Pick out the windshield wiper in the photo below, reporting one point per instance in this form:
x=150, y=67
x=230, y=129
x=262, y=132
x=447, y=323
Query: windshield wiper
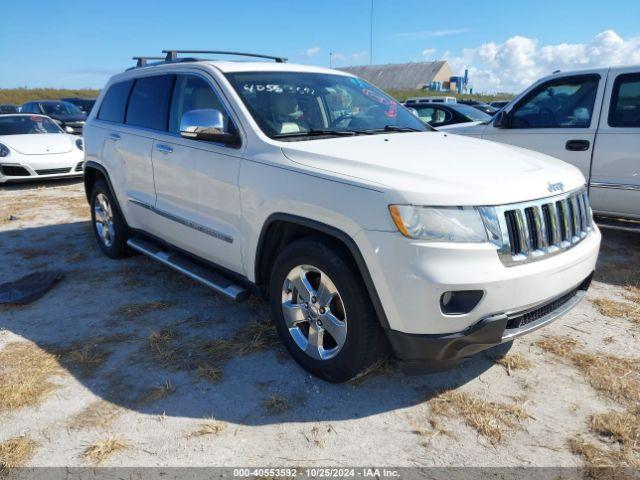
x=393, y=128
x=318, y=133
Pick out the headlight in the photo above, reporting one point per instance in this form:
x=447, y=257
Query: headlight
x=439, y=224
x=4, y=150
x=79, y=144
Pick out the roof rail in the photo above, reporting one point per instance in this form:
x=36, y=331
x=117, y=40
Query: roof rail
x=172, y=55
x=142, y=61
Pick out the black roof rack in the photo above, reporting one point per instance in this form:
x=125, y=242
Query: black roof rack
x=142, y=61
x=172, y=55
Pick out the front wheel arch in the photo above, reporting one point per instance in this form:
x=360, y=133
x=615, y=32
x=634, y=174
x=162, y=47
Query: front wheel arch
x=280, y=229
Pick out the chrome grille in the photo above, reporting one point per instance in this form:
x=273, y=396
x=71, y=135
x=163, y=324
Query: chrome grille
x=530, y=231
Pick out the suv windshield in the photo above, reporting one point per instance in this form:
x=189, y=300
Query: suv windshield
x=26, y=124
x=60, y=108
x=299, y=105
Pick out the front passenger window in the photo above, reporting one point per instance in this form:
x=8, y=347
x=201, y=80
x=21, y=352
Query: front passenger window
x=565, y=103
x=194, y=93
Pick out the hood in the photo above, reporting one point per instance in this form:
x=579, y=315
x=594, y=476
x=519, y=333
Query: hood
x=438, y=168
x=459, y=126
x=81, y=117
x=39, y=143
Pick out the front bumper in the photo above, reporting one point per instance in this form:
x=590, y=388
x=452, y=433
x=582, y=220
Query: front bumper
x=432, y=353
x=31, y=167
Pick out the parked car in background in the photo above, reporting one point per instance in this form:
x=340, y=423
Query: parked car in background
x=431, y=100
x=589, y=118
x=499, y=104
x=34, y=147
x=8, y=108
x=442, y=114
x=483, y=107
x=365, y=228
x=65, y=114
x=84, y=104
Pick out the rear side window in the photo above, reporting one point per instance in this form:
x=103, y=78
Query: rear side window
x=149, y=102
x=115, y=102
x=625, y=102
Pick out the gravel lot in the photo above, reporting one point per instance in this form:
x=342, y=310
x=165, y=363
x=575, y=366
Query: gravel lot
x=126, y=363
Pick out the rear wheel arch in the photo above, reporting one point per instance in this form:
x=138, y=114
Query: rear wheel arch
x=280, y=229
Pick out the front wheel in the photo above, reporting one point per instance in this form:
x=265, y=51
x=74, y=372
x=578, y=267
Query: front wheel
x=322, y=311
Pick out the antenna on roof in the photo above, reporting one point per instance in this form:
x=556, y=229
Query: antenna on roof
x=142, y=61
x=172, y=55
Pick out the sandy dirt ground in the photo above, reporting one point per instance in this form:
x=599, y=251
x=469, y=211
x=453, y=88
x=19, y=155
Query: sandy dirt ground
x=127, y=363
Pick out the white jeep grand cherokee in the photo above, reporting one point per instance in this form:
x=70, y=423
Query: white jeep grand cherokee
x=366, y=229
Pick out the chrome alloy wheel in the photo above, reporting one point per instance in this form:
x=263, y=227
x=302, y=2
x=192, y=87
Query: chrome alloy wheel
x=314, y=312
x=104, y=219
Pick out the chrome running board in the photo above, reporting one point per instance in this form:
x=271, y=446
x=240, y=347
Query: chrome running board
x=181, y=263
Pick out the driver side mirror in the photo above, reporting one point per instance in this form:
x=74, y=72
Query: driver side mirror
x=206, y=124
x=502, y=119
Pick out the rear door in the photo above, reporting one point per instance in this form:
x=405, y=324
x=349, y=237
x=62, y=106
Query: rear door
x=615, y=174
x=558, y=117
x=198, y=199
x=128, y=145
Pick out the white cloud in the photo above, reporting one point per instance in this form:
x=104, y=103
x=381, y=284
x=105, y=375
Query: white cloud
x=312, y=51
x=357, y=56
x=429, y=53
x=515, y=64
x=433, y=33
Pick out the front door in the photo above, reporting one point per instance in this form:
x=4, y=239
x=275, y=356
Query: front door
x=559, y=117
x=198, y=199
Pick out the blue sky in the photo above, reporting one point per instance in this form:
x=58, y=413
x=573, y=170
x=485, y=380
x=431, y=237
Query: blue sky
x=80, y=43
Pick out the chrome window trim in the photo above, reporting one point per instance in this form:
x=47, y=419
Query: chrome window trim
x=574, y=218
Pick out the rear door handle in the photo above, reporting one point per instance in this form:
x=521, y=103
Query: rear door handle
x=578, y=145
x=166, y=149
x=114, y=137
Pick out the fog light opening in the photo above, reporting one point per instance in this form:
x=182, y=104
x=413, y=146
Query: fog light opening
x=460, y=302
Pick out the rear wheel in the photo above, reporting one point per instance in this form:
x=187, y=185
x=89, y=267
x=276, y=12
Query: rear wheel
x=110, y=230
x=322, y=311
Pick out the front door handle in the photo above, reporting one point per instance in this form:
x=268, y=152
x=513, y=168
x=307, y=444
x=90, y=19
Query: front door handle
x=578, y=145
x=166, y=149
x=114, y=137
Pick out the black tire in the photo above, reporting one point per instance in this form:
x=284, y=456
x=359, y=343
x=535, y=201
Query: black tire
x=117, y=246
x=364, y=341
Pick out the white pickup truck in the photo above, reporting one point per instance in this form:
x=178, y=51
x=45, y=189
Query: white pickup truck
x=589, y=118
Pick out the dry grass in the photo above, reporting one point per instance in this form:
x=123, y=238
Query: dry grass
x=25, y=375
x=135, y=310
x=384, y=366
x=15, y=453
x=513, y=361
x=158, y=392
x=596, y=457
x=632, y=293
x=617, y=273
x=615, y=308
x=618, y=378
x=208, y=427
x=621, y=427
x=490, y=419
x=276, y=404
x=99, y=451
x=99, y=414
x=87, y=355
x=210, y=373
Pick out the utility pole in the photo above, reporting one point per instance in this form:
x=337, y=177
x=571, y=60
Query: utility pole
x=330, y=59
x=371, y=36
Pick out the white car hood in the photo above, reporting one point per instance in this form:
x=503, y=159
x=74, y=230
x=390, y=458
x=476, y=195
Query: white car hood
x=438, y=168
x=38, y=143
